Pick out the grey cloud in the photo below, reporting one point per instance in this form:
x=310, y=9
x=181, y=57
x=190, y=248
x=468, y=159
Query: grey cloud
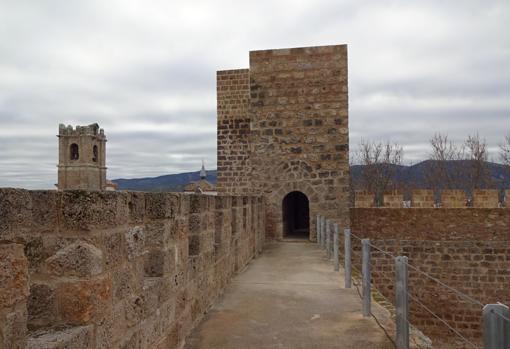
x=146, y=73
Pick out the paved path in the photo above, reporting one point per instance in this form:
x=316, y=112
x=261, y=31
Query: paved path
x=289, y=297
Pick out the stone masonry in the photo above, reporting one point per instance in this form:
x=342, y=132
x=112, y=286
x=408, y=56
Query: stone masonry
x=104, y=269
x=82, y=157
x=467, y=249
x=283, y=127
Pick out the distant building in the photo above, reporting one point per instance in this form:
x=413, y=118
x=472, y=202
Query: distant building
x=82, y=158
x=201, y=186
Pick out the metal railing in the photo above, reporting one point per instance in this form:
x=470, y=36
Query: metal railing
x=496, y=317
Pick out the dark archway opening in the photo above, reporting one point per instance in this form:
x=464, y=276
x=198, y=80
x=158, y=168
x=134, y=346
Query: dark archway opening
x=296, y=215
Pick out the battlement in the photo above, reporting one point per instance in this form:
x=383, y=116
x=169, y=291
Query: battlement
x=425, y=198
x=90, y=130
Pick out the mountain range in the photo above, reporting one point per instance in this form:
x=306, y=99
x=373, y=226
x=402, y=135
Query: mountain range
x=411, y=176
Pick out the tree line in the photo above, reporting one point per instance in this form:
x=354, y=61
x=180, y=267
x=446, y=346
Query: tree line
x=453, y=166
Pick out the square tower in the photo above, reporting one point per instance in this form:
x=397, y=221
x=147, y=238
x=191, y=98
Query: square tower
x=283, y=133
x=82, y=157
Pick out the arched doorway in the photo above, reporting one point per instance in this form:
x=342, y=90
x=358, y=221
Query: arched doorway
x=296, y=215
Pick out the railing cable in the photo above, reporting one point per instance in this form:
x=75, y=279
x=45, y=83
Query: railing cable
x=443, y=321
x=459, y=293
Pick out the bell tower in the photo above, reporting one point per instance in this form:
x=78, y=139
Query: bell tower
x=82, y=157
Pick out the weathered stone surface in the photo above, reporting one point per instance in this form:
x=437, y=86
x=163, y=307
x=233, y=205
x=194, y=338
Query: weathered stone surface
x=81, y=302
x=78, y=259
x=135, y=240
x=62, y=338
x=82, y=210
x=159, y=262
x=13, y=328
x=15, y=213
x=44, y=209
x=41, y=305
x=13, y=274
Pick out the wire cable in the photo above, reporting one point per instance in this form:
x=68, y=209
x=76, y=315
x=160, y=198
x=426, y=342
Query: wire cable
x=500, y=315
x=462, y=295
x=356, y=236
x=382, y=251
x=443, y=321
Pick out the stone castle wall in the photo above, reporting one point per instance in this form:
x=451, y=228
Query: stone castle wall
x=233, y=99
x=467, y=249
x=117, y=270
x=298, y=130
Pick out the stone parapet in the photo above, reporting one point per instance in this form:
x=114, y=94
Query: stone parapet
x=120, y=269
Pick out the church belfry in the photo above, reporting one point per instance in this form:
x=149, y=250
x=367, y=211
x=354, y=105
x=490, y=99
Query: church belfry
x=82, y=157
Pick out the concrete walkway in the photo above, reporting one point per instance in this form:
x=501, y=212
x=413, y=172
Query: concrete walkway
x=289, y=297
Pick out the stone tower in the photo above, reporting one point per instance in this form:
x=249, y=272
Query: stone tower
x=283, y=132
x=82, y=157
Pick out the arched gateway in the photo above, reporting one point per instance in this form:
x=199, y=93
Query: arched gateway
x=296, y=215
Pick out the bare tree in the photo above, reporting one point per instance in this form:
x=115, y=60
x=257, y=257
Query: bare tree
x=444, y=170
x=380, y=161
x=504, y=151
x=458, y=167
x=477, y=175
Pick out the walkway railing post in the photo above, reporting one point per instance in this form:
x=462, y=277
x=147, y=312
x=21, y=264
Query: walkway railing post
x=328, y=238
x=365, y=269
x=336, y=247
x=402, y=302
x=323, y=232
x=347, y=257
x=318, y=230
x=496, y=329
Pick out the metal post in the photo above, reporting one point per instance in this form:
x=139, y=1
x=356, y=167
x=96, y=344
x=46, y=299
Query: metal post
x=328, y=238
x=347, y=257
x=318, y=230
x=496, y=330
x=402, y=302
x=365, y=269
x=335, y=248
x=323, y=232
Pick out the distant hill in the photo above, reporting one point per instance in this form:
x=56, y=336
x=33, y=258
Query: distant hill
x=171, y=182
x=413, y=175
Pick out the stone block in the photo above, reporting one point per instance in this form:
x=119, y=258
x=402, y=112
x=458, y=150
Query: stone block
x=13, y=328
x=44, y=209
x=125, y=283
x=114, y=246
x=13, y=274
x=195, y=223
x=16, y=213
x=453, y=198
x=161, y=205
x=62, y=338
x=78, y=259
x=160, y=234
x=136, y=206
x=159, y=262
x=393, y=199
x=83, y=301
x=88, y=210
x=135, y=241
x=423, y=198
x=194, y=245
x=41, y=305
x=486, y=198
x=363, y=198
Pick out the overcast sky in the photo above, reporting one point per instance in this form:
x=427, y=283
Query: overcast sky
x=145, y=71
